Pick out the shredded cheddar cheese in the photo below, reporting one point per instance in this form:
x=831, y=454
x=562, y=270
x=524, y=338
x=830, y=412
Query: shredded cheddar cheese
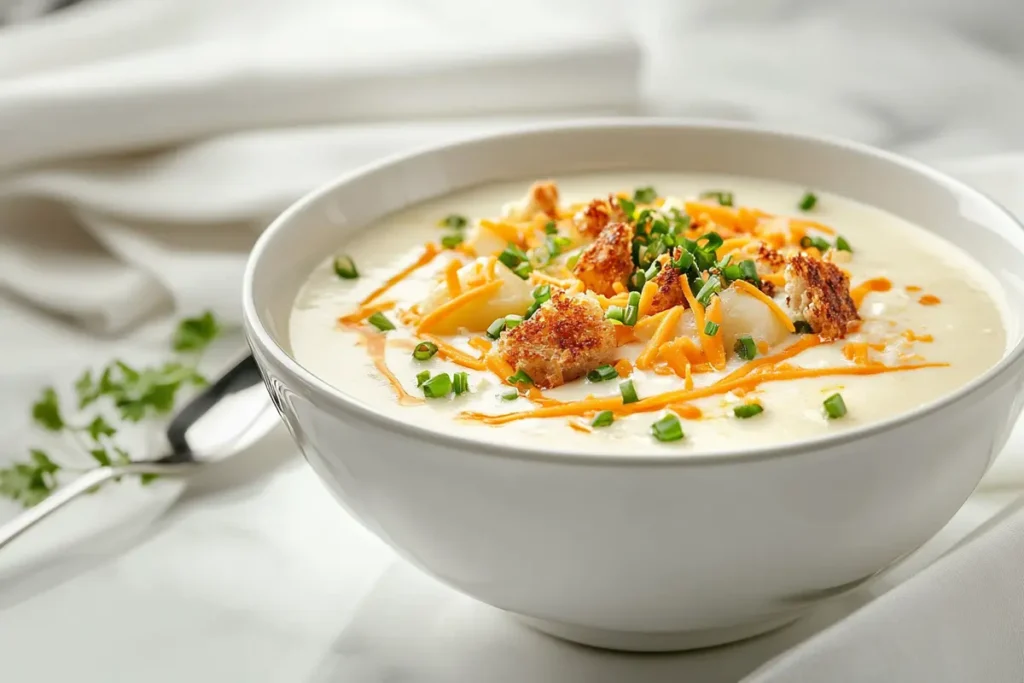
x=747, y=288
x=444, y=310
x=364, y=312
x=647, y=297
x=451, y=278
x=428, y=255
x=661, y=336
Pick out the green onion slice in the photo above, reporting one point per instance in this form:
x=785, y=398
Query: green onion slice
x=512, y=321
x=541, y=293
x=802, y=327
x=745, y=347
x=842, y=244
x=637, y=280
x=381, y=322
x=645, y=195
x=438, y=386
x=808, y=201
x=495, y=329
x=628, y=392
x=451, y=241
x=667, y=428
x=523, y=270
x=519, y=378
x=453, y=221
x=602, y=373
x=550, y=228
x=710, y=328
x=509, y=395
x=345, y=267
x=603, y=419
x=747, y=410
x=835, y=406
x=616, y=313
x=709, y=289
x=460, y=383
x=424, y=351
x=422, y=377
x=723, y=197
x=627, y=207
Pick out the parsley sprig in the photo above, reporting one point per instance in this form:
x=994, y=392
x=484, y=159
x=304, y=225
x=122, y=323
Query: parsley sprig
x=133, y=393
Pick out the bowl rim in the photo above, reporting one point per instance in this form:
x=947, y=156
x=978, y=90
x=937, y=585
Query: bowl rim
x=258, y=336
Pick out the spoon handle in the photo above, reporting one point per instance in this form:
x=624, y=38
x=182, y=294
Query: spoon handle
x=67, y=493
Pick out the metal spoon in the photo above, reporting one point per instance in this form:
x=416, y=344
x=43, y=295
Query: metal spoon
x=232, y=413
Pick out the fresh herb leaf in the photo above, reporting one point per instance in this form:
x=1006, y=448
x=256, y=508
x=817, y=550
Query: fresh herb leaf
x=195, y=334
x=46, y=411
x=29, y=482
x=100, y=455
x=99, y=427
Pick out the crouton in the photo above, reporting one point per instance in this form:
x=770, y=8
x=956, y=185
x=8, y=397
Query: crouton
x=608, y=260
x=591, y=220
x=819, y=292
x=565, y=339
x=669, y=292
x=768, y=260
x=542, y=197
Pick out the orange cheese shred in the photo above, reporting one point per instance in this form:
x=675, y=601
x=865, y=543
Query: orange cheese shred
x=878, y=284
x=722, y=215
x=912, y=336
x=448, y=352
x=499, y=366
x=647, y=298
x=451, y=278
x=805, y=342
x=448, y=307
x=623, y=367
x=480, y=344
x=364, y=312
x=661, y=335
x=428, y=255
x=747, y=288
x=619, y=288
x=542, y=278
x=714, y=347
x=929, y=300
x=815, y=225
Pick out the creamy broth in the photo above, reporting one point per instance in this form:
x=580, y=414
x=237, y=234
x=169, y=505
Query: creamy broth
x=936, y=293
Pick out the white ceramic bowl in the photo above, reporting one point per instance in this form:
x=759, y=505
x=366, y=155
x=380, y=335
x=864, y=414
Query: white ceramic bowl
x=644, y=551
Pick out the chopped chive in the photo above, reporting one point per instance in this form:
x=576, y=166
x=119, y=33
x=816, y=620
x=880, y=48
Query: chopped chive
x=381, y=322
x=424, y=351
x=541, y=293
x=710, y=328
x=438, y=386
x=616, y=313
x=603, y=419
x=573, y=260
x=495, y=329
x=451, y=241
x=651, y=272
x=723, y=197
x=634, y=299
x=512, y=256
x=835, y=406
x=712, y=241
x=627, y=207
x=808, y=201
x=745, y=347
x=602, y=373
x=802, y=327
x=630, y=316
x=422, y=377
x=523, y=270
x=513, y=321
x=345, y=267
x=509, y=395
x=684, y=262
x=637, y=280
x=550, y=228
x=453, y=221
x=628, y=392
x=644, y=195
x=667, y=428
x=842, y=244
x=519, y=378
x=531, y=310
x=733, y=272
x=747, y=410
x=556, y=244
x=817, y=242
x=460, y=383
x=709, y=289
x=749, y=269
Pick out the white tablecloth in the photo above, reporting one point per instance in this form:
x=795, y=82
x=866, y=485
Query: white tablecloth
x=252, y=573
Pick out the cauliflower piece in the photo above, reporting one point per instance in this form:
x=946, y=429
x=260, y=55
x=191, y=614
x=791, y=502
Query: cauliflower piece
x=591, y=220
x=608, y=260
x=565, y=339
x=513, y=297
x=819, y=292
x=542, y=197
x=745, y=315
x=670, y=291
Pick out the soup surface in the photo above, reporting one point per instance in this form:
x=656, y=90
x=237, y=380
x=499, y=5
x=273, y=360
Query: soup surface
x=645, y=312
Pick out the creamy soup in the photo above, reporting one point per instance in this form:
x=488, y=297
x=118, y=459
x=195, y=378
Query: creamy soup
x=553, y=321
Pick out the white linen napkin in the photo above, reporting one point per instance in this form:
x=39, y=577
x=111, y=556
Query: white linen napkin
x=242, y=101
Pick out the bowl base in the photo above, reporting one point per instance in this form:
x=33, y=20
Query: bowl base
x=635, y=641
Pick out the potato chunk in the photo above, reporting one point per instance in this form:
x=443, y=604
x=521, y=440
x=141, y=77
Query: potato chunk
x=513, y=297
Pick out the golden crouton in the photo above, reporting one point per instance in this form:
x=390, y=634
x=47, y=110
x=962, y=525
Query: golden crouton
x=608, y=260
x=565, y=339
x=542, y=197
x=819, y=292
x=670, y=290
x=591, y=220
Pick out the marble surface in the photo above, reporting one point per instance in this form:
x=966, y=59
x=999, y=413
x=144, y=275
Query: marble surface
x=252, y=573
